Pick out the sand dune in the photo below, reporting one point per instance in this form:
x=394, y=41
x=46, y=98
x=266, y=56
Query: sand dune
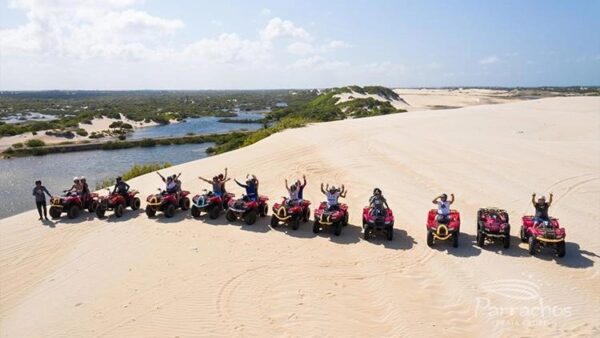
x=184, y=277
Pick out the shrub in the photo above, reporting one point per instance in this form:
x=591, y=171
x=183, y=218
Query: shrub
x=35, y=143
x=122, y=137
x=82, y=132
x=18, y=145
x=116, y=124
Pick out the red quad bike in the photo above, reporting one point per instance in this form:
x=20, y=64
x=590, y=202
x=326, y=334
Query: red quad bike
x=336, y=218
x=210, y=203
x=117, y=202
x=247, y=210
x=439, y=231
x=546, y=234
x=287, y=212
x=378, y=220
x=167, y=203
x=71, y=203
x=493, y=223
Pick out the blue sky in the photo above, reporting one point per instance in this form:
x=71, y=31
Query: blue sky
x=132, y=44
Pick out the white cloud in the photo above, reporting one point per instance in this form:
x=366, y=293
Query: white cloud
x=300, y=48
x=489, y=60
x=335, y=44
x=227, y=48
x=385, y=67
x=278, y=28
x=319, y=63
x=265, y=12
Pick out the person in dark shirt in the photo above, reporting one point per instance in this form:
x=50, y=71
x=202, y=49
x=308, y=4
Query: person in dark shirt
x=40, y=192
x=121, y=188
x=541, y=209
x=85, y=191
x=377, y=202
x=251, y=187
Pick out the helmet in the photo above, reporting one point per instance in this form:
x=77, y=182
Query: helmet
x=82, y=178
x=376, y=191
x=75, y=179
x=119, y=179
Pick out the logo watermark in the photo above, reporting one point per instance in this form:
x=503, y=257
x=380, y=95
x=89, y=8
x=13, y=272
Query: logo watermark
x=527, y=306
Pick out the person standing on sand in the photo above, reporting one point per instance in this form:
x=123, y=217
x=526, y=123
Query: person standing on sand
x=40, y=192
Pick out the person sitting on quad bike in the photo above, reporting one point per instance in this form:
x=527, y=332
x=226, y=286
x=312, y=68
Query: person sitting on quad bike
x=251, y=187
x=217, y=185
x=177, y=181
x=541, y=209
x=293, y=192
x=77, y=187
x=222, y=179
x=121, y=188
x=301, y=188
x=377, y=202
x=85, y=188
x=333, y=194
x=443, y=213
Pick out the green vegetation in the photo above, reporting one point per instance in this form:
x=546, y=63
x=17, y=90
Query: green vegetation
x=135, y=171
x=81, y=132
x=18, y=145
x=33, y=143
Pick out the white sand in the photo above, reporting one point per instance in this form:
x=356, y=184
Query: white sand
x=344, y=97
x=135, y=277
x=440, y=98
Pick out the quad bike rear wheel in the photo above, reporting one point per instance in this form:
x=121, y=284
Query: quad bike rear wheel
x=338, y=228
x=119, y=210
x=185, y=203
x=506, y=240
x=367, y=232
x=306, y=215
x=532, y=245
x=561, y=249
x=264, y=210
x=150, y=211
x=73, y=212
x=135, y=203
x=213, y=212
x=524, y=236
x=429, y=238
x=316, y=227
x=195, y=211
x=274, y=222
x=170, y=211
x=93, y=206
x=100, y=212
x=55, y=212
x=250, y=217
x=230, y=216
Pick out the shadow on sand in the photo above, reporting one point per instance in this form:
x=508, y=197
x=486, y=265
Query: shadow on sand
x=466, y=246
x=402, y=240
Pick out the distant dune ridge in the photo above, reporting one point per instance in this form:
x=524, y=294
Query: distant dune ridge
x=139, y=277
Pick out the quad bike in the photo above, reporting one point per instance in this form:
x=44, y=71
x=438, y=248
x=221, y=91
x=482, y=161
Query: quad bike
x=71, y=203
x=337, y=218
x=167, y=203
x=437, y=231
x=117, y=202
x=493, y=223
x=210, y=203
x=247, y=209
x=378, y=220
x=547, y=234
x=288, y=212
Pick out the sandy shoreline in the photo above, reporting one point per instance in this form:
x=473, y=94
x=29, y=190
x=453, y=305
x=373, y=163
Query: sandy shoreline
x=137, y=277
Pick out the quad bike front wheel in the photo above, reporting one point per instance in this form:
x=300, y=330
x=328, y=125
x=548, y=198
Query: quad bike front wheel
x=316, y=227
x=338, y=228
x=367, y=233
x=93, y=206
x=100, y=212
x=230, y=216
x=390, y=234
x=135, y=203
x=119, y=210
x=195, y=211
x=213, y=212
x=73, y=212
x=55, y=212
x=295, y=222
x=274, y=222
x=524, y=236
x=150, y=211
x=306, y=215
x=170, y=211
x=480, y=239
x=250, y=217
x=506, y=241
x=532, y=245
x=264, y=210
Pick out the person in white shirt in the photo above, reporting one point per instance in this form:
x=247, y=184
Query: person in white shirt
x=333, y=194
x=293, y=193
x=443, y=204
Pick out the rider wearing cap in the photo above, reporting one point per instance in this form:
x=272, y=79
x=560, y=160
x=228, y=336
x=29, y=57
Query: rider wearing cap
x=333, y=194
x=443, y=212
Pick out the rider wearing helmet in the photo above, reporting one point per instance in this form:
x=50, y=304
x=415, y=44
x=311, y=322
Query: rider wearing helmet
x=121, y=187
x=443, y=212
x=251, y=187
x=333, y=194
x=77, y=187
x=541, y=209
x=377, y=201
